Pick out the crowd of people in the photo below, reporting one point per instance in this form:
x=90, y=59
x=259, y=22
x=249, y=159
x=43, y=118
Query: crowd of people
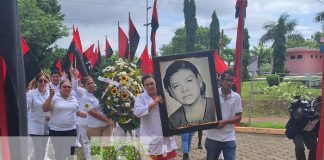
x=68, y=113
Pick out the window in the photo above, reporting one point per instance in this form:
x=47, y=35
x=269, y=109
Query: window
x=292, y=57
x=311, y=56
x=316, y=56
x=299, y=56
x=321, y=56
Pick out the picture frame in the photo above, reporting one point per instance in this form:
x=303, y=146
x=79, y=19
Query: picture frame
x=188, y=86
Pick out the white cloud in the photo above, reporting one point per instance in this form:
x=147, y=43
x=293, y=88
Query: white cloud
x=98, y=18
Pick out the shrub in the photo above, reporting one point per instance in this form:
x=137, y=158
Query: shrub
x=283, y=95
x=273, y=80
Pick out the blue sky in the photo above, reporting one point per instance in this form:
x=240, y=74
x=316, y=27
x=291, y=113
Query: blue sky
x=97, y=18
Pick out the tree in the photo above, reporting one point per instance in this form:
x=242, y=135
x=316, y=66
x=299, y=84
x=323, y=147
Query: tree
x=178, y=45
x=190, y=24
x=41, y=28
x=295, y=40
x=264, y=55
x=228, y=56
x=246, y=54
x=320, y=18
x=214, y=32
x=277, y=32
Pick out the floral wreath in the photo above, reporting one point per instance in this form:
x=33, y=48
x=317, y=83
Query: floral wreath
x=123, y=84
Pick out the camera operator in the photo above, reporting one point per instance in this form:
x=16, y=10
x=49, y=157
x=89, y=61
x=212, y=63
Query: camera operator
x=302, y=127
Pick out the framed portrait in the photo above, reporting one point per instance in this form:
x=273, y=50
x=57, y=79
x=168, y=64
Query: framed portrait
x=188, y=85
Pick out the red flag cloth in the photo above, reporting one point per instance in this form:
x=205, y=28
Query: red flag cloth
x=123, y=43
x=13, y=118
x=145, y=62
x=219, y=64
x=320, y=143
x=3, y=112
x=77, y=40
x=108, y=51
x=88, y=58
x=133, y=39
x=155, y=26
x=240, y=5
x=57, y=65
x=32, y=68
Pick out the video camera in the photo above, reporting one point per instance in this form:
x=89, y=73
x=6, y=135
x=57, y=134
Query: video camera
x=302, y=111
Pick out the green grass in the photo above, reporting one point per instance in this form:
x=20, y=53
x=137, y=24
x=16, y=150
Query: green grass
x=263, y=104
x=264, y=125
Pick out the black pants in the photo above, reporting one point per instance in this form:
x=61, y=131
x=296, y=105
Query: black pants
x=310, y=140
x=63, y=143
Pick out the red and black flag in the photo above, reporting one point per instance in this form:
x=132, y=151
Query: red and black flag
x=145, y=63
x=122, y=43
x=155, y=26
x=73, y=56
x=13, y=118
x=88, y=57
x=133, y=39
x=57, y=66
x=98, y=58
x=238, y=6
x=108, y=51
x=31, y=66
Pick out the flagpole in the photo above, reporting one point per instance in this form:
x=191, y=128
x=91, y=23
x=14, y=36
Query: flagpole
x=146, y=24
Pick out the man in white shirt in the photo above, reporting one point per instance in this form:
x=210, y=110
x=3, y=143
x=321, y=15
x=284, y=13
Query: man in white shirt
x=56, y=78
x=223, y=137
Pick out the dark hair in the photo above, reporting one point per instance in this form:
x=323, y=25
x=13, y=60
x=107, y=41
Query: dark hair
x=55, y=71
x=66, y=80
x=174, y=68
x=85, y=80
x=40, y=75
x=147, y=77
x=230, y=72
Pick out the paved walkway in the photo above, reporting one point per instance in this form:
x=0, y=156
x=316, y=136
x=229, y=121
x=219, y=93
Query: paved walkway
x=249, y=147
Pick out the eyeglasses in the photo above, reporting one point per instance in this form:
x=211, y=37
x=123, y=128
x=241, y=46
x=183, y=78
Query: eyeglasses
x=66, y=87
x=229, y=80
x=42, y=81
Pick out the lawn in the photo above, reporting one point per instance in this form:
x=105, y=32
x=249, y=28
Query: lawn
x=263, y=105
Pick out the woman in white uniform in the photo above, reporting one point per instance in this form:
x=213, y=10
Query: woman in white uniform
x=98, y=124
x=147, y=109
x=37, y=119
x=63, y=108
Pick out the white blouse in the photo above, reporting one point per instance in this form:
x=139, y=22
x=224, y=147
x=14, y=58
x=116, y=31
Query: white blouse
x=92, y=102
x=35, y=113
x=151, y=129
x=63, y=113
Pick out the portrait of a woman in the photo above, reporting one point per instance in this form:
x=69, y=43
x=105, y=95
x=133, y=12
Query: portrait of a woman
x=185, y=84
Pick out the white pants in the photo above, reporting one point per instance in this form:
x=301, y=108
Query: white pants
x=82, y=133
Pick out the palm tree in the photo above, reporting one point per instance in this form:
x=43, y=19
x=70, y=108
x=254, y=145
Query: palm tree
x=278, y=32
x=320, y=19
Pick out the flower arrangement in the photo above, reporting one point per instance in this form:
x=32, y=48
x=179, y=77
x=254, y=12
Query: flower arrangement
x=123, y=84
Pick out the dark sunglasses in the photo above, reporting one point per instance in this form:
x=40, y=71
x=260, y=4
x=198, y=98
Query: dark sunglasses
x=66, y=87
x=229, y=80
x=42, y=81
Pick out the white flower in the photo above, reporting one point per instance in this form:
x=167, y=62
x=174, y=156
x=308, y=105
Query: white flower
x=127, y=105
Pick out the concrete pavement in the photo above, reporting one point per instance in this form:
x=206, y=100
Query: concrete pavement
x=250, y=146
